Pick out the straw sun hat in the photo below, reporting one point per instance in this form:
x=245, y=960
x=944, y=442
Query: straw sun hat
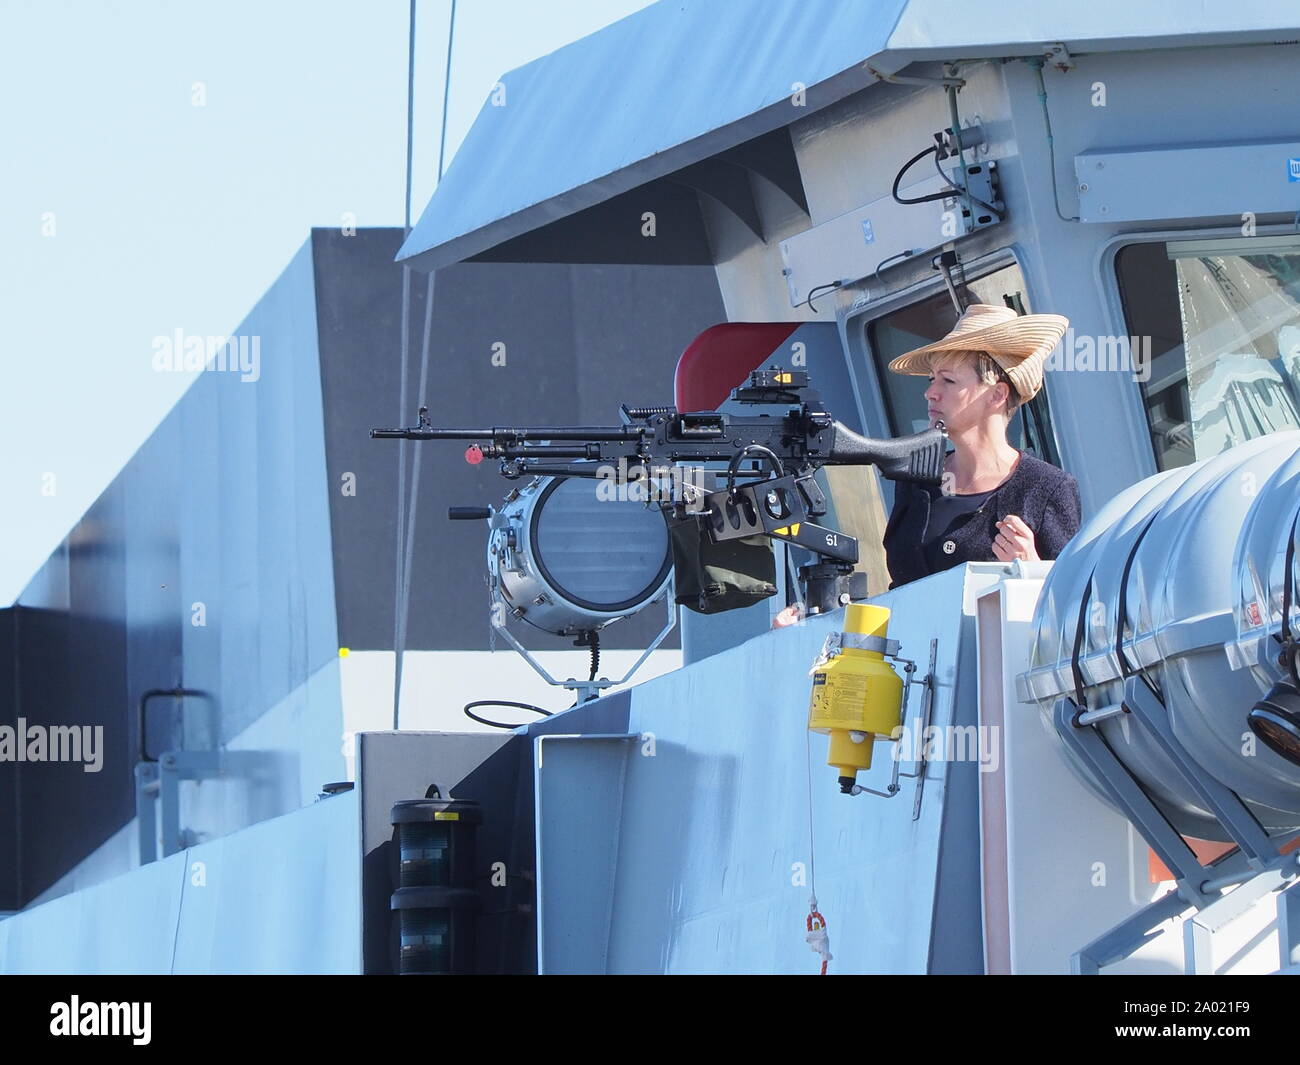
x=1019, y=343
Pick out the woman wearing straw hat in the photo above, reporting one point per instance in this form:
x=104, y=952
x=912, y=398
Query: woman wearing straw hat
x=996, y=502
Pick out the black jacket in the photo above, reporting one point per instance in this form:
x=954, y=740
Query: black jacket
x=1044, y=497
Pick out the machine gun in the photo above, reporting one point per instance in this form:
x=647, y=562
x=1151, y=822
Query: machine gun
x=779, y=505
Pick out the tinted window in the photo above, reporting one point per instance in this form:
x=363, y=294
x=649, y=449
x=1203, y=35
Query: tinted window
x=1223, y=322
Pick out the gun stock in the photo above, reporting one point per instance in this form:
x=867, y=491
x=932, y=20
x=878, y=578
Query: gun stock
x=918, y=457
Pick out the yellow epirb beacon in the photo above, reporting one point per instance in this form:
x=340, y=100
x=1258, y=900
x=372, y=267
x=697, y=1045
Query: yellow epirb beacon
x=856, y=695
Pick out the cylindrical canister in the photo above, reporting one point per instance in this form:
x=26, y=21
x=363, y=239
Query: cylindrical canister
x=436, y=902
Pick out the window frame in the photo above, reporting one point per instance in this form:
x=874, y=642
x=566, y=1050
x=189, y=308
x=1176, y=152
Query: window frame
x=1106, y=277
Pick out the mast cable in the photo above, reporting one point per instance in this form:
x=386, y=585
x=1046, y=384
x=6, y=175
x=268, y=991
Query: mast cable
x=406, y=516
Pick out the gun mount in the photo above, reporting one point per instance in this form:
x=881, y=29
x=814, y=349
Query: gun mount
x=781, y=504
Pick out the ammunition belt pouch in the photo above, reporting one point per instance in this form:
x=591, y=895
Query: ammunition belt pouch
x=714, y=577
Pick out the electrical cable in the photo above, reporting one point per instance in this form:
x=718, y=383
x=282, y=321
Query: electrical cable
x=406, y=517
x=812, y=850
x=885, y=262
x=906, y=167
x=812, y=292
x=501, y=702
x=404, y=344
x=1037, y=65
x=815, y=923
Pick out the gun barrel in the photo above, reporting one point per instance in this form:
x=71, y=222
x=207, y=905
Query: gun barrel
x=595, y=433
x=510, y=435
x=547, y=451
x=429, y=434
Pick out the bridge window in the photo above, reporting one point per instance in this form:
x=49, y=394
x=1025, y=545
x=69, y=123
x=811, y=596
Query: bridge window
x=1220, y=320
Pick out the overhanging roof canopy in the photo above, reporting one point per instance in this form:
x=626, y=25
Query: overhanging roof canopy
x=693, y=96
x=665, y=88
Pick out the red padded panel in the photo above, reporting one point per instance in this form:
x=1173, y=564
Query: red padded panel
x=721, y=358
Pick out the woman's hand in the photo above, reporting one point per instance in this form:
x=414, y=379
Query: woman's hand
x=791, y=615
x=1014, y=540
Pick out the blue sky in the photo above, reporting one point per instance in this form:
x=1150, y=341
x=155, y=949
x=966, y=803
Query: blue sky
x=127, y=212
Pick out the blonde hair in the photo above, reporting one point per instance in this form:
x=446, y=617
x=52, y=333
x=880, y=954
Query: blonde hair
x=986, y=369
